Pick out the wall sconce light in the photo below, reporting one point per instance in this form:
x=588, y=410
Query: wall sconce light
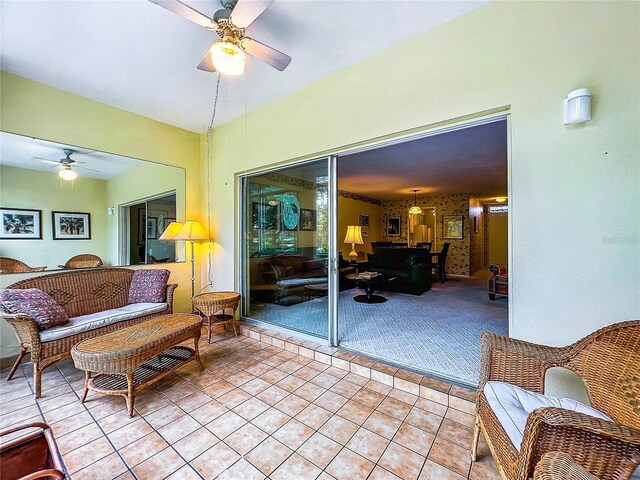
x=577, y=106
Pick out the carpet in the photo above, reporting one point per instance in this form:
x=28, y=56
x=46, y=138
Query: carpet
x=438, y=331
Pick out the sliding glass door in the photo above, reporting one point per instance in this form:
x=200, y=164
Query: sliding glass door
x=285, y=247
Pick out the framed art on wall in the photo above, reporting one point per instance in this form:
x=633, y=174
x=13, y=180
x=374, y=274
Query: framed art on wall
x=152, y=228
x=393, y=226
x=20, y=224
x=308, y=220
x=452, y=227
x=364, y=223
x=71, y=226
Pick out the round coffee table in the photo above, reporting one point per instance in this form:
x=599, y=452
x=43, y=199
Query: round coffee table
x=212, y=303
x=370, y=285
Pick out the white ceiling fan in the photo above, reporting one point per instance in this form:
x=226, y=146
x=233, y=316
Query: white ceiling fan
x=227, y=55
x=66, y=163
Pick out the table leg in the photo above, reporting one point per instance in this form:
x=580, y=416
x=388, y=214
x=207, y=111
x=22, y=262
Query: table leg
x=85, y=390
x=197, y=353
x=130, y=395
x=369, y=291
x=209, y=328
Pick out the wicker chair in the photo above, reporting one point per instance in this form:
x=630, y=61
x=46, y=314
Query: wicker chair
x=560, y=466
x=81, y=292
x=11, y=265
x=86, y=260
x=608, y=362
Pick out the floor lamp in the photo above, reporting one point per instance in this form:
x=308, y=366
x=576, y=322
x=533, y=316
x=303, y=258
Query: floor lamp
x=192, y=232
x=170, y=234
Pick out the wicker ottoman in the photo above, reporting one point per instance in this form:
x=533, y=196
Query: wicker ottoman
x=133, y=358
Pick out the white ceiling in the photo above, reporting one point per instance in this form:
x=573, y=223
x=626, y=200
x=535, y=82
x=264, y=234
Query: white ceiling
x=471, y=160
x=136, y=56
x=19, y=151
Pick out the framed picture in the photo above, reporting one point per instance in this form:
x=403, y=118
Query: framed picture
x=21, y=224
x=152, y=228
x=265, y=216
x=308, y=220
x=453, y=227
x=393, y=226
x=364, y=223
x=142, y=226
x=71, y=226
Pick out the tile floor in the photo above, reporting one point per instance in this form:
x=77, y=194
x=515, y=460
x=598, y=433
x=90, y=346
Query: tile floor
x=256, y=412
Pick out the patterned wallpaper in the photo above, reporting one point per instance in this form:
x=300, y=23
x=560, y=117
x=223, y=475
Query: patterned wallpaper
x=458, y=261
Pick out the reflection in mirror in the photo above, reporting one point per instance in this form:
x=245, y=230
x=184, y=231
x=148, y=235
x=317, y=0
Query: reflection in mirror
x=422, y=228
x=63, y=206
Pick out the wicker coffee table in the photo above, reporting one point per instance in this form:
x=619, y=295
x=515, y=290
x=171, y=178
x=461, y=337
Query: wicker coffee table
x=212, y=303
x=133, y=358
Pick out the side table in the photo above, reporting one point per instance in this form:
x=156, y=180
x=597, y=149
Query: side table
x=211, y=303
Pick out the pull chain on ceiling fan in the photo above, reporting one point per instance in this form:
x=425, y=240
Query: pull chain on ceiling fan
x=227, y=55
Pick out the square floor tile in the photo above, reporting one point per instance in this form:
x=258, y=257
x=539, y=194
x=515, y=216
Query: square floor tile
x=451, y=456
x=348, y=464
x=394, y=408
x=382, y=424
x=110, y=466
x=293, y=434
x=245, y=438
x=138, y=451
x=296, y=467
x=269, y=455
x=195, y=443
x=251, y=408
x=174, y=431
x=242, y=470
x=292, y=405
x=226, y=424
x=271, y=420
x=339, y=429
x=414, y=439
x=401, y=461
x=319, y=450
x=356, y=412
x=368, y=444
x=215, y=460
x=314, y=416
x=208, y=412
x=159, y=465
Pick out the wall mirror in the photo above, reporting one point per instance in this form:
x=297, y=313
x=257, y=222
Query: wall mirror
x=422, y=227
x=63, y=206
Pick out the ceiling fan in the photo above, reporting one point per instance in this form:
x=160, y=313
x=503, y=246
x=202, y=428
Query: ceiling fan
x=227, y=55
x=67, y=172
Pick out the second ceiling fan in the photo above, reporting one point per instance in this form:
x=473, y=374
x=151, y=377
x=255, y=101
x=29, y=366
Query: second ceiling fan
x=227, y=55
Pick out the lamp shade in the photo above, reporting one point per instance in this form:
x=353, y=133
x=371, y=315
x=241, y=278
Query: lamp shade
x=192, y=231
x=171, y=231
x=354, y=235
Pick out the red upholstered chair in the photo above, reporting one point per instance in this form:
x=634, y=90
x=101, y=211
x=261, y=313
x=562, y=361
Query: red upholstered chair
x=499, y=282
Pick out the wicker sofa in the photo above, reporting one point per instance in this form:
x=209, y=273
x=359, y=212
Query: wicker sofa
x=605, y=441
x=96, y=302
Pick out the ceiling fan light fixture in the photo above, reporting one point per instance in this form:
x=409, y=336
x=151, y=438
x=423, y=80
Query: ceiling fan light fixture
x=228, y=58
x=67, y=174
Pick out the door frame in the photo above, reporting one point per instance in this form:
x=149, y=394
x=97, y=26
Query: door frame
x=333, y=154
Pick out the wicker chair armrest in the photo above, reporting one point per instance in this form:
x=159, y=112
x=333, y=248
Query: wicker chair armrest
x=606, y=449
x=169, y=295
x=25, y=328
x=517, y=362
x=558, y=465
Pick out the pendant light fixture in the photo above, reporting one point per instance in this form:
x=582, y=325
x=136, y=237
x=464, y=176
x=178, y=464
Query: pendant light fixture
x=415, y=210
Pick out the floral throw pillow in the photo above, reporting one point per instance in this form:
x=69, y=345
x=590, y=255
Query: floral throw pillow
x=149, y=286
x=36, y=304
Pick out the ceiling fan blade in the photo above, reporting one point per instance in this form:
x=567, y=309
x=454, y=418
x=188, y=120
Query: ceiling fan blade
x=273, y=57
x=246, y=11
x=89, y=169
x=185, y=11
x=206, y=65
x=53, y=162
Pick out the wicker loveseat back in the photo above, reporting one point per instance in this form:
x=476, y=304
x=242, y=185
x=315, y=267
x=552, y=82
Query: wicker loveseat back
x=608, y=362
x=84, y=292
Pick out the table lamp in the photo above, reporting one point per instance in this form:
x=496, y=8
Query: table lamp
x=192, y=231
x=354, y=237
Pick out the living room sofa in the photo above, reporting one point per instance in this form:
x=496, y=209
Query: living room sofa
x=410, y=266
x=281, y=278
x=96, y=301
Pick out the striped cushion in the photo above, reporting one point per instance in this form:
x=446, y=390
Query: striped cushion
x=512, y=405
